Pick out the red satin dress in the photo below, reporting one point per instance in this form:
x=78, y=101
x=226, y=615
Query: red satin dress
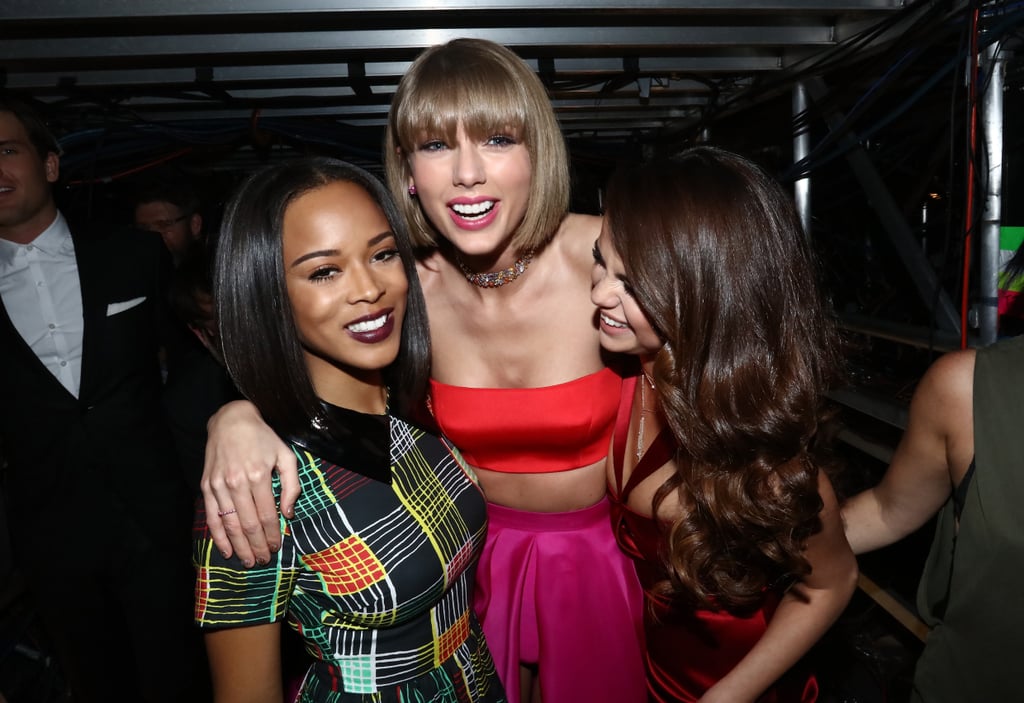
x=688, y=649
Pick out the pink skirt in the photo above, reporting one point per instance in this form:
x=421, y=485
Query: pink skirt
x=554, y=592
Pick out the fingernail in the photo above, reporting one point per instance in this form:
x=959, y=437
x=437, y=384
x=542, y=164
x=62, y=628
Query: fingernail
x=248, y=563
x=275, y=547
x=226, y=555
x=262, y=562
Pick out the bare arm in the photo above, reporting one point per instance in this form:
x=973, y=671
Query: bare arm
x=241, y=456
x=931, y=458
x=245, y=663
x=804, y=614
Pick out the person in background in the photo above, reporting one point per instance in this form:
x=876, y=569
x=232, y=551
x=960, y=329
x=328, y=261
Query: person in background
x=960, y=457
x=324, y=329
x=200, y=384
x=167, y=205
x=85, y=438
x=171, y=208
x=191, y=300
x=702, y=273
x=475, y=158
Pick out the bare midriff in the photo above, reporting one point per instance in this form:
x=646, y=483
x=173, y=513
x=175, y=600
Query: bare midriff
x=557, y=492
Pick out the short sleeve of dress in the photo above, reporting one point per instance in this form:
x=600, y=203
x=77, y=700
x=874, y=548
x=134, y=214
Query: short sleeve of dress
x=460, y=460
x=229, y=595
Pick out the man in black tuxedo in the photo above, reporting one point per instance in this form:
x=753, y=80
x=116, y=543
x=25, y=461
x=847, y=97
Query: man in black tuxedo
x=98, y=514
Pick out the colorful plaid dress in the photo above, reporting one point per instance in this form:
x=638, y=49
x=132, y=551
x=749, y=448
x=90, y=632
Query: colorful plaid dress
x=375, y=570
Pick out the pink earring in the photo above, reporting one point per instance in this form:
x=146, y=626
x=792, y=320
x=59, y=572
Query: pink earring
x=412, y=190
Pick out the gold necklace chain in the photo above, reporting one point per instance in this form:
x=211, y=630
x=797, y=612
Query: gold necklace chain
x=645, y=380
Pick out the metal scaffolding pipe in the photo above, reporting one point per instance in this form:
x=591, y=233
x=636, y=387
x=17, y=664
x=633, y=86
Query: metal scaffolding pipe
x=993, y=63
x=801, y=149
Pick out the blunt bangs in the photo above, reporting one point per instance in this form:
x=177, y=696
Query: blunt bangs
x=476, y=96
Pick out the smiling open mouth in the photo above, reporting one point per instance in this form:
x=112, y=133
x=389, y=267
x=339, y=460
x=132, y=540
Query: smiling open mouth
x=474, y=210
x=613, y=323
x=368, y=325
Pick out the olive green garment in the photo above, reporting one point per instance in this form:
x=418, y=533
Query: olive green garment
x=972, y=588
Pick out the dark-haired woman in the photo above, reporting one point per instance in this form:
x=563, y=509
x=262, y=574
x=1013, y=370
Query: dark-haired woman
x=701, y=271
x=320, y=317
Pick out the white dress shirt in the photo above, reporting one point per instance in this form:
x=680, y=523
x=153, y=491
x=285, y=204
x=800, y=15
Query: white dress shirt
x=40, y=289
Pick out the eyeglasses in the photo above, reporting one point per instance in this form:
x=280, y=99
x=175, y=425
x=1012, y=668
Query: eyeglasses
x=164, y=225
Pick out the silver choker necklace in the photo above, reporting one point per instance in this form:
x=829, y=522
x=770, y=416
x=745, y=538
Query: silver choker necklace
x=496, y=279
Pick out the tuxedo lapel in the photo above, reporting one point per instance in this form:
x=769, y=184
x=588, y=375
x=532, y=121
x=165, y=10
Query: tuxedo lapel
x=91, y=269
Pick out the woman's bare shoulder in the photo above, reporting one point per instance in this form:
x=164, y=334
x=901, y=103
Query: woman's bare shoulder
x=577, y=226
x=576, y=238
x=948, y=382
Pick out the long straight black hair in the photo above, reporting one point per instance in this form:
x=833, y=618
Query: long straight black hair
x=261, y=344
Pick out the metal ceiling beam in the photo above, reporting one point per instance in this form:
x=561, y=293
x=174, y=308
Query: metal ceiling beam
x=34, y=10
x=590, y=125
x=216, y=48
x=386, y=71
x=204, y=59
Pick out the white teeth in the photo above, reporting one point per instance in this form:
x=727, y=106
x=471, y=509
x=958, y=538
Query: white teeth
x=474, y=210
x=368, y=325
x=612, y=323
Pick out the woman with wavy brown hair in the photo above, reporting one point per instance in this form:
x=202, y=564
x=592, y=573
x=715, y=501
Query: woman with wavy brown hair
x=701, y=271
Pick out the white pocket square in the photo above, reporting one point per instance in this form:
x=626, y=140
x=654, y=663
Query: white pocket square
x=114, y=308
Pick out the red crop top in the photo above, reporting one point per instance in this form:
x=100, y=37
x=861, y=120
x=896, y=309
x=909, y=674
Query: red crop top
x=530, y=430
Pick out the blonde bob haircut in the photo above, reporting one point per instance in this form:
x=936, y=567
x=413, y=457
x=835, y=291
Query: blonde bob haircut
x=490, y=91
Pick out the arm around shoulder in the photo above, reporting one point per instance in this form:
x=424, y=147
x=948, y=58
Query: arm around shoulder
x=242, y=453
